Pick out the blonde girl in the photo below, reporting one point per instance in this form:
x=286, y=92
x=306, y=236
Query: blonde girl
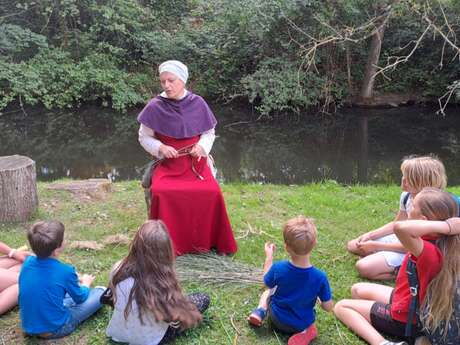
x=380, y=250
x=377, y=309
x=149, y=306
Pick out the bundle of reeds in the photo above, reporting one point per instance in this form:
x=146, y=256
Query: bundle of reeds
x=213, y=269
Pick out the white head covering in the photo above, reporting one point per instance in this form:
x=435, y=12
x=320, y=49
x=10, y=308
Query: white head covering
x=175, y=67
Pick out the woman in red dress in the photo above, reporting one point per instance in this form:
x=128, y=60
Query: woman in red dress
x=177, y=127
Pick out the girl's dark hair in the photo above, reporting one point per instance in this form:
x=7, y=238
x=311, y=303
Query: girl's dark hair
x=156, y=290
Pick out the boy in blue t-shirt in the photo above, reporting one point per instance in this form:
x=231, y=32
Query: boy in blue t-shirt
x=53, y=298
x=295, y=285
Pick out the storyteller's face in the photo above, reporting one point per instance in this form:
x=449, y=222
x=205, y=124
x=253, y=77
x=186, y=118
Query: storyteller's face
x=172, y=85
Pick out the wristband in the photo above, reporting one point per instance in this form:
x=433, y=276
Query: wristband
x=11, y=253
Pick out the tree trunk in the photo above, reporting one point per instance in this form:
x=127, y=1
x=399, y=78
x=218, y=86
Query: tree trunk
x=372, y=62
x=18, y=188
x=348, y=56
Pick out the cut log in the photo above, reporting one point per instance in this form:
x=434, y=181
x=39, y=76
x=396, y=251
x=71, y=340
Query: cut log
x=18, y=188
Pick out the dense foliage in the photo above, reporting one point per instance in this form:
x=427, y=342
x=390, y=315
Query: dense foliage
x=64, y=52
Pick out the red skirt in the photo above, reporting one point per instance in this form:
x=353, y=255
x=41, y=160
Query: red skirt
x=188, y=199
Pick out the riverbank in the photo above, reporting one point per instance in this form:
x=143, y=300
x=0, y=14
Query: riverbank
x=257, y=213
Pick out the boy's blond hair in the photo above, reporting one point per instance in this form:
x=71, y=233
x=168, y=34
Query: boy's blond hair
x=424, y=171
x=300, y=235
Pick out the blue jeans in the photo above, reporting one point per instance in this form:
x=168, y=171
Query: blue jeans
x=78, y=312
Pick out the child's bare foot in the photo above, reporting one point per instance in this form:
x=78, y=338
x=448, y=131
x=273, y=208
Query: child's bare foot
x=257, y=317
x=305, y=337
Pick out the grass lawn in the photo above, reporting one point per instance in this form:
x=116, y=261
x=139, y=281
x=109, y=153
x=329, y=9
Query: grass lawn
x=257, y=213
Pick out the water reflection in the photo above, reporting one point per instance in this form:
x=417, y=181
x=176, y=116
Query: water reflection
x=363, y=161
x=359, y=145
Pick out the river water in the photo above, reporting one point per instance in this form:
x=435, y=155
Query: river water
x=355, y=145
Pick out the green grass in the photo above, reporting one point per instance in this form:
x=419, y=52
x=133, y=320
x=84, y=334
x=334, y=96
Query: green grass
x=340, y=213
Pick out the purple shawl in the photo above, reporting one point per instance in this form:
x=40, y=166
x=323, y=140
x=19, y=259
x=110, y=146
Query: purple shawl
x=184, y=118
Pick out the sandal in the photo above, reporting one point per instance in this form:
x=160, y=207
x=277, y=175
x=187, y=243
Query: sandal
x=257, y=317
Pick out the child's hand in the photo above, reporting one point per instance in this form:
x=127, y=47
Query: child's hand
x=364, y=237
x=86, y=279
x=368, y=246
x=269, y=249
x=21, y=255
x=454, y=226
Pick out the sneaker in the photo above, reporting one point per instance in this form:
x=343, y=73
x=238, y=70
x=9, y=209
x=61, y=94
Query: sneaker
x=257, y=317
x=305, y=337
x=107, y=297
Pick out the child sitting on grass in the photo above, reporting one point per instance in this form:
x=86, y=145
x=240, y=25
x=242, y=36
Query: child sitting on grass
x=51, y=300
x=380, y=250
x=294, y=285
x=10, y=264
x=377, y=309
x=149, y=306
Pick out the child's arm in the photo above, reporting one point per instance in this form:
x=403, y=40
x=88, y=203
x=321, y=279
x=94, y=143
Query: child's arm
x=269, y=250
x=374, y=246
x=384, y=230
x=79, y=293
x=328, y=305
x=5, y=249
x=16, y=254
x=410, y=232
x=325, y=295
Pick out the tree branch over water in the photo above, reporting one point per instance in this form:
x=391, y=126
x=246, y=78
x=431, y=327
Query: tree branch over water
x=430, y=12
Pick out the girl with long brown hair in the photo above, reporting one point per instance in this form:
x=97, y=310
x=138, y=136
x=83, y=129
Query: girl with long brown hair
x=430, y=236
x=149, y=306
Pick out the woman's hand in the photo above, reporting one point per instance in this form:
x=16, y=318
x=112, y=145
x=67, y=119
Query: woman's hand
x=197, y=151
x=168, y=151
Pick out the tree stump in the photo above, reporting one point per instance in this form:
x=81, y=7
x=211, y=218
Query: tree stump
x=18, y=188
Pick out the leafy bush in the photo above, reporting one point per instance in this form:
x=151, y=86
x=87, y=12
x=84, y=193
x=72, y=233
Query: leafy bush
x=53, y=78
x=282, y=86
x=64, y=53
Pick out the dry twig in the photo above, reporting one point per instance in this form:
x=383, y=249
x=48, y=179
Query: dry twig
x=216, y=270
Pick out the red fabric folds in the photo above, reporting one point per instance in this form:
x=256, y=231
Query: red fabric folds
x=192, y=208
